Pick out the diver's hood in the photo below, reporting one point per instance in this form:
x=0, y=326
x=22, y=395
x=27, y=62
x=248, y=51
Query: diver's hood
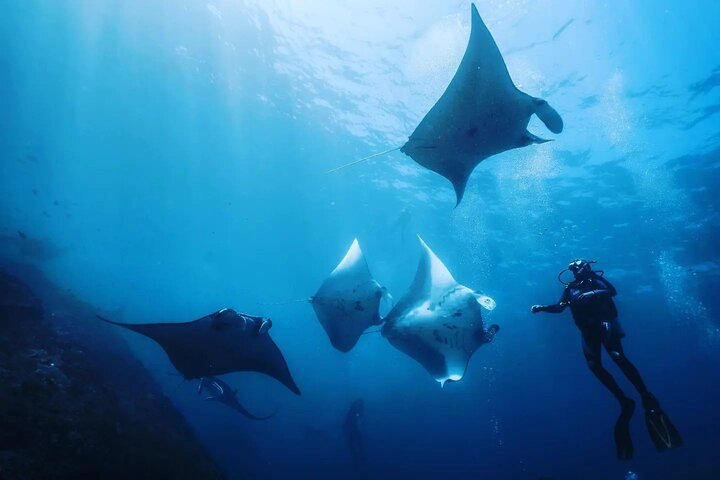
x=579, y=267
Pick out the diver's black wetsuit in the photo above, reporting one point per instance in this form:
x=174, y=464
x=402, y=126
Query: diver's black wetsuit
x=351, y=429
x=589, y=297
x=593, y=309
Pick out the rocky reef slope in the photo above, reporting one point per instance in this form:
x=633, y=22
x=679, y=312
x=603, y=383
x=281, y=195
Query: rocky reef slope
x=74, y=401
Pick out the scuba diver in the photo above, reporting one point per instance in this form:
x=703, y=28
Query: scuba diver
x=351, y=430
x=589, y=296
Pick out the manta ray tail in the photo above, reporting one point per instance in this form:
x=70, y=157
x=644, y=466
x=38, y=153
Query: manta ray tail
x=130, y=326
x=108, y=320
x=372, y=331
x=548, y=115
x=363, y=159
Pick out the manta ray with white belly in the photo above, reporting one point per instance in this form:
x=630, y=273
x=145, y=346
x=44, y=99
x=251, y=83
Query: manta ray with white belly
x=439, y=322
x=348, y=301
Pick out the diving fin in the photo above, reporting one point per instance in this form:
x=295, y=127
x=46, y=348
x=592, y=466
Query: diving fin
x=623, y=440
x=663, y=433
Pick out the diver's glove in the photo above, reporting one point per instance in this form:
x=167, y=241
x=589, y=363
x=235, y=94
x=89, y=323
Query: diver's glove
x=536, y=308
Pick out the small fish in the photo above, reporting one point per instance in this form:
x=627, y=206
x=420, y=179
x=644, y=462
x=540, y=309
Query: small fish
x=22, y=234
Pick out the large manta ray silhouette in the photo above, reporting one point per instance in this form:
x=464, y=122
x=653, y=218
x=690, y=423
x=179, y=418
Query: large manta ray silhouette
x=348, y=301
x=481, y=113
x=439, y=322
x=222, y=342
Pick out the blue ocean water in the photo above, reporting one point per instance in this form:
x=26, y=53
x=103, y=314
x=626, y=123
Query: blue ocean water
x=167, y=159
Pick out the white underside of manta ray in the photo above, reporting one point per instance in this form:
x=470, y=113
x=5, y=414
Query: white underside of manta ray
x=439, y=322
x=481, y=113
x=348, y=301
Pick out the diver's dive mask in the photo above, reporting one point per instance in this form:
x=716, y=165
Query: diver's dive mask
x=580, y=269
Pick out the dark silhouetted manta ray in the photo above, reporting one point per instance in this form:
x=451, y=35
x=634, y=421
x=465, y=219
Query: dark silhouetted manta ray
x=481, y=113
x=222, y=342
x=225, y=394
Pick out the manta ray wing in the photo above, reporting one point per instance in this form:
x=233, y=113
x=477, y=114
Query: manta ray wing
x=348, y=301
x=438, y=322
x=222, y=342
x=432, y=278
x=480, y=114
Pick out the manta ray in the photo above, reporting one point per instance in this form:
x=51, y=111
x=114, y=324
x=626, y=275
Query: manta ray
x=439, y=322
x=222, y=342
x=225, y=394
x=348, y=301
x=482, y=113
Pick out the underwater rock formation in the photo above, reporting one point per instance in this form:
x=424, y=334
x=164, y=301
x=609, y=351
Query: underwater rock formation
x=17, y=300
x=75, y=402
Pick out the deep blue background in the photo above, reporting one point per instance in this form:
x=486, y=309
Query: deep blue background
x=166, y=159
